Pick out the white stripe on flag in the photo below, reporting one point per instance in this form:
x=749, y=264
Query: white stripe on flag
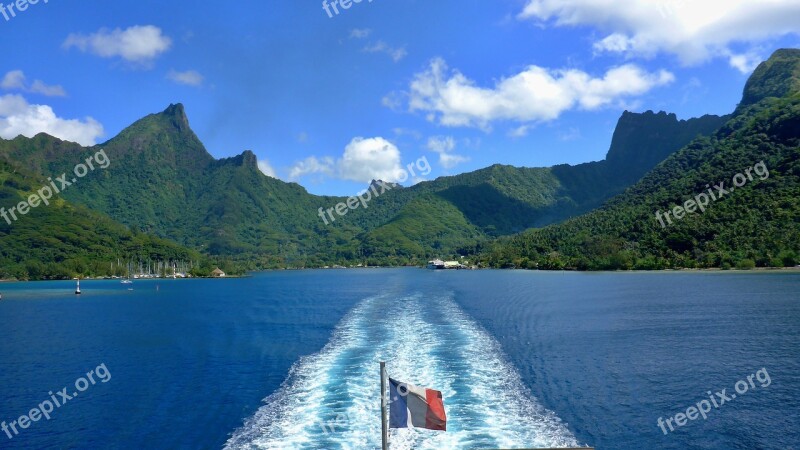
x=417, y=406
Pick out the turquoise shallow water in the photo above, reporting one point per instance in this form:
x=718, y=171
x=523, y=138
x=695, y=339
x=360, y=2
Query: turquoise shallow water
x=290, y=359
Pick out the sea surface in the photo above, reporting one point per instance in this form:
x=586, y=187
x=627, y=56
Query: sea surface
x=290, y=360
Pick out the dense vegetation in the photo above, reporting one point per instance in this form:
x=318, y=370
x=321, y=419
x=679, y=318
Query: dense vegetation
x=63, y=240
x=163, y=182
x=755, y=225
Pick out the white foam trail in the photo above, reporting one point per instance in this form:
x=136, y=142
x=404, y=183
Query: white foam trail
x=332, y=399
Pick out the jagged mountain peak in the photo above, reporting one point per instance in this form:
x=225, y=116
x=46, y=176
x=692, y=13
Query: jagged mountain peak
x=779, y=76
x=644, y=139
x=163, y=138
x=172, y=120
x=245, y=159
x=177, y=113
x=379, y=183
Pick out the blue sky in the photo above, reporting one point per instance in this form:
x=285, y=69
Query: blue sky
x=331, y=102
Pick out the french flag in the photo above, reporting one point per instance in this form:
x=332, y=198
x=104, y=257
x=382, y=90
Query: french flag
x=415, y=407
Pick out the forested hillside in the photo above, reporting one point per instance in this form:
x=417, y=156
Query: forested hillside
x=161, y=181
x=755, y=224
x=63, y=240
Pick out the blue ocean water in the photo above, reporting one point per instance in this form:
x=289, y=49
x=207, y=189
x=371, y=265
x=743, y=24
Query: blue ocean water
x=290, y=359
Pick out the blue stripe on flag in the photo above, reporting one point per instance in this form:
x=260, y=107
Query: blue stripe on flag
x=398, y=406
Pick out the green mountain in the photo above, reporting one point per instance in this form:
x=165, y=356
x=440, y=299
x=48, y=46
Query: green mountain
x=454, y=214
x=62, y=240
x=777, y=77
x=162, y=181
x=753, y=219
x=504, y=199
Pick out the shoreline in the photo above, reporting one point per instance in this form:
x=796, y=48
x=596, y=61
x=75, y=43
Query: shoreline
x=714, y=270
x=3, y=281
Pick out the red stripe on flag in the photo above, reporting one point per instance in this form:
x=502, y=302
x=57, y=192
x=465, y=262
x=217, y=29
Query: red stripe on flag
x=435, y=418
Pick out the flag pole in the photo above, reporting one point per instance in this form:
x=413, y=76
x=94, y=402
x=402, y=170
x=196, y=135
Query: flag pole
x=384, y=428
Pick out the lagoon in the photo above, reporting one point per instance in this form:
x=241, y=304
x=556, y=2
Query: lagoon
x=523, y=358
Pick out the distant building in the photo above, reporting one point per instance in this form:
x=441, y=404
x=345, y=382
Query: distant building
x=436, y=264
x=216, y=273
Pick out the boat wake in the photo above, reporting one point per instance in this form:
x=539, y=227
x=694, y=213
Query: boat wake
x=331, y=400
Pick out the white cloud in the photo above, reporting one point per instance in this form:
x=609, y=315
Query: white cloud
x=745, y=62
x=137, y=44
x=693, y=30
x=266, y=168
x=189, y=77
x=393, y=101
x=16, y=80
x=614, y=43
x=370, y=159
x=400, y=131
x=360, y=33
x=519, y=132
x=311, y=165
x=363, y=160
x=38, y=87
x=441, y=144
x=382, y=47
x=450, y=160
x=444, y=146
x=536, y=94
x=13, y=80
x=18, y=117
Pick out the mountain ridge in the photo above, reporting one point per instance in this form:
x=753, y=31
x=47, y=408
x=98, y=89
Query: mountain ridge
x=167, y=184
x=755, y=225
x=777, y=77
x=172, y=187
x=62, y=240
